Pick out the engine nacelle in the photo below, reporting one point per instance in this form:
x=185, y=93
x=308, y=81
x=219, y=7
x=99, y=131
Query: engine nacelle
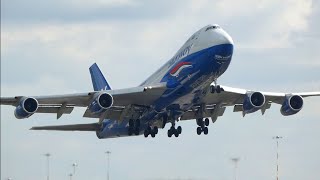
x=253, y=102
x=101, y=102
x=291, y=105
x=27, y=107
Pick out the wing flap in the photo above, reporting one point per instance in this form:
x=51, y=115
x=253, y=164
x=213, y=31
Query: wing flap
x=212, y=110
x=110, y=114
x=73, y=127
x=55, y=109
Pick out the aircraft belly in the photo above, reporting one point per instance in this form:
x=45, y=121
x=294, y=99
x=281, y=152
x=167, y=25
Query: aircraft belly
x=115, y=129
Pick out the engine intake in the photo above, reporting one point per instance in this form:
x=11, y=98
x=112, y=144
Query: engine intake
x=292, y=105
x=101, y=102
x=27, y=107
x=253, y=102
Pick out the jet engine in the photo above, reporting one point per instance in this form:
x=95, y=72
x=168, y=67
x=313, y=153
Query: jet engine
x=27, y=107
x=253, y=102
x=291, y=105
x=101, y=102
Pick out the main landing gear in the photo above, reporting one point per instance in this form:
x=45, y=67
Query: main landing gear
x=134, y=127
x=216, y=88
x=174, y=131
x=202, y=126
x=151, y=131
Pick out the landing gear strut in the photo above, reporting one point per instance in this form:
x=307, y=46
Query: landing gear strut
x=134, y=127
x=202, y=126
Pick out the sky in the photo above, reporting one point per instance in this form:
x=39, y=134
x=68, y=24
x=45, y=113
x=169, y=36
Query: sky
x=48, y=46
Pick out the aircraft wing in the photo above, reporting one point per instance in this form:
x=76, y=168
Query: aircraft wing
x=64, y=104
x=216, y=103
x=233, y=96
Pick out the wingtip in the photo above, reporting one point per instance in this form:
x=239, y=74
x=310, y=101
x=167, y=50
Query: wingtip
x=34, y=128
x=93, y=65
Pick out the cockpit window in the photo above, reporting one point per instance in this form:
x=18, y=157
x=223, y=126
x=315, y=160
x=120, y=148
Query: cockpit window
x=212, y=27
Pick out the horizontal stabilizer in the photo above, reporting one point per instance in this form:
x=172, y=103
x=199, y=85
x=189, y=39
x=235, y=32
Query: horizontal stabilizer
x=72, y=127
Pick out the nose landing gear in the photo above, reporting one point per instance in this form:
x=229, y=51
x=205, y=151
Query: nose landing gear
x=216, y=88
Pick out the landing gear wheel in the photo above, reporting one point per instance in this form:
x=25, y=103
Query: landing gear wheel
x=146, y=134
x=206, y=121
x=131, y=123
x=205, y=130
x=199, y=130
x=136, y=131
x=169, y=133
x=138, y=123
x=212, y=89
x=176, y=133
x=153, y=135
x=155, y=130
x=218, y=89
x=130, y=131
x=179, y=129
x=200, y=122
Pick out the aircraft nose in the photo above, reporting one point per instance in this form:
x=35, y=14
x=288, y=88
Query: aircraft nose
x=223, y=37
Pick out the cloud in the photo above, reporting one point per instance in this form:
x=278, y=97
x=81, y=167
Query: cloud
x=84, y=42
x=60, y=11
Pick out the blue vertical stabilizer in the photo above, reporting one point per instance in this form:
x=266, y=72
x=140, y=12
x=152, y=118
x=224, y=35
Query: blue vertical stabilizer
x=98, y=81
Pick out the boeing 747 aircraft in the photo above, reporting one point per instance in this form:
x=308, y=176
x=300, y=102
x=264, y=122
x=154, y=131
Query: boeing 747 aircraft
x=184, y=88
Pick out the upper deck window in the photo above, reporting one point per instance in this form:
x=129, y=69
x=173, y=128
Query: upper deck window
x=212, y=27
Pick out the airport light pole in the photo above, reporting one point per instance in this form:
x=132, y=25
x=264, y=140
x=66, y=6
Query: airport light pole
x=108, y=163
x=48, y=165
x=74, y=165
x=277, y=139
x=70, y=175
x=235, y=161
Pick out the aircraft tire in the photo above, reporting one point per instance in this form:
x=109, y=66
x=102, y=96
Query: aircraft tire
x=218, y=89
x=138, y=123
x=199, y=130
x=212, y=89
x=205, y=130
x=130, y=131
x=179, y=129
x=200, y=121
x=131, y=123
x=169, y=133
x=176, y=134
x=136, y=131
x=146, y=134
x=206, y=121
x=155, y=130
x=153, y=135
